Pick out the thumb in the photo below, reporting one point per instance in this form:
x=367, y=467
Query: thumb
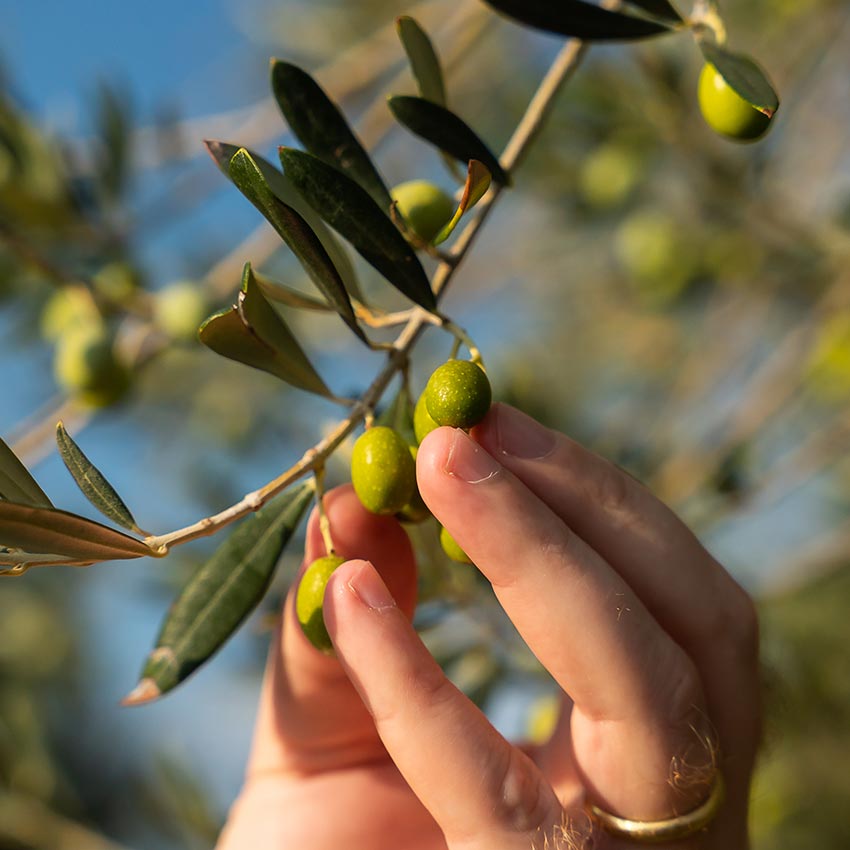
x=311, y=719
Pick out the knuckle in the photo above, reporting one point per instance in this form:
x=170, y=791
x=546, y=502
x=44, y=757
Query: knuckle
x=611, y=490
x=684, y=692
x=521, y=803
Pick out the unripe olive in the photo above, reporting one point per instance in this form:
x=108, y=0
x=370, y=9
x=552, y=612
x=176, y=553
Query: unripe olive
x=725, y=111
x=415, y=510
x=71, y=306
x=116, y=281
x=423, y=424
x=86, y=366
x=609, y=175
x=425, y=208
x=179, y=309
x=458, y=394
x=451, y=548
x=382, y=471
x=309, y=601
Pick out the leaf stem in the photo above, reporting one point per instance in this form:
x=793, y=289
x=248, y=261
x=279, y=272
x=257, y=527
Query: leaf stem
x=523, y=137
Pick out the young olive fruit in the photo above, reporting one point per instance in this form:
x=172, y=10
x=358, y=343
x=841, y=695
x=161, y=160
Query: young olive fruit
x=309, y=601
x=458, y=394
x=383, y=471
x=69, y=307
x=425, y=208
x=725, y=111
x=415, y=510
x=423, y=423
x=86, y=366
x=179, y=309
x=451, y=548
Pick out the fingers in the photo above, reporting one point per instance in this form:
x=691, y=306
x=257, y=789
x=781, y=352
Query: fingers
x=635, y=690
x=311, y=718
x=483, y=792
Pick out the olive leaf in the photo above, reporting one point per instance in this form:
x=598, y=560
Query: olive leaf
x=659, y=8
x=92, y=482
x=221, y=594
x=476, y=186
x=222, y=153
x=578, y=19
x=16, y=484
x=445, y=130
x=744, y=76
x=283, y=294
x=297, y=234
x=423, y=59
x=54, y=532
x=398, y=415
x=350, y=210
x=320, y=126
x=251, y=332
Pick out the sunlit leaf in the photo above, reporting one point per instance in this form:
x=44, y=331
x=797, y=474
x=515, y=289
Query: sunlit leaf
x=424, y=61
x=221, y=594
x=222, y=153
x=91, y=481
x=16, y=484
x=251, y=332
x=398, y=415
x=659, y=8
x=744, y=76
x=283, y=294
x=447, y=131
x=578, y=19
x=297, y=234
x=476, y=186
x=347, y=208
x=321, y=127
x=51, y=531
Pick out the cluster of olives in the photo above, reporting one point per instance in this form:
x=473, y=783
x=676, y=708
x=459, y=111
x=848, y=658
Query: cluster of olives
x=383, y=472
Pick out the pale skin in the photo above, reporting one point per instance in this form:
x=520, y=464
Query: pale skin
x=653, y=644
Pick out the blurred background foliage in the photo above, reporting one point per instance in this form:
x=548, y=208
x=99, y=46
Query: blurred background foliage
x=680, y=304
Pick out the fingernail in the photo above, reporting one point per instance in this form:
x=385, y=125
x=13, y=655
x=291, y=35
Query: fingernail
x=521, y=436
x=368, y=587
x=468, y=461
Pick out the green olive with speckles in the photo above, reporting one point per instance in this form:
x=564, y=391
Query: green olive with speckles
x=451, y=548
x=383, y=471
x=458, y=394
x=309, y=601
x=423, y=424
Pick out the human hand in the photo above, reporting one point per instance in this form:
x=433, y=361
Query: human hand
x=652, y=640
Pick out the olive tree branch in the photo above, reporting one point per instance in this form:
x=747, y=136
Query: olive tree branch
x=524, y=135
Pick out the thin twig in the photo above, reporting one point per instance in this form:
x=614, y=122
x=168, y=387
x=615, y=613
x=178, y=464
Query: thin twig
x=523, y=137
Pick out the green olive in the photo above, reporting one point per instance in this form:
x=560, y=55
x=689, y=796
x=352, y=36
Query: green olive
x=86, y=366
x=425, y=208
x=383, y=471
x=309, y=601
x=725, y=111
x=451, y=548
x=458, y=394
x=179, y=309
x=69, y=307
x=423, y=424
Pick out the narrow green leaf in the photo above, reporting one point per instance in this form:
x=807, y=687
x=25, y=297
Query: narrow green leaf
x=16, y=484
x=443, y=128
x=578, y=19
x=91, y=481
x=659, y=8
x=222, y=153
x=744, y=76
x=297, y=234
x=251, y=332
x=476, y=186
x=283, y=294
x=351, y=211
x=398, y=415
x=321, y=127
x=424, y=61
x=221, y=594
x=55, y=532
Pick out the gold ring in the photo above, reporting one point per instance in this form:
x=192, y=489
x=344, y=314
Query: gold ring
x=659, y=831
